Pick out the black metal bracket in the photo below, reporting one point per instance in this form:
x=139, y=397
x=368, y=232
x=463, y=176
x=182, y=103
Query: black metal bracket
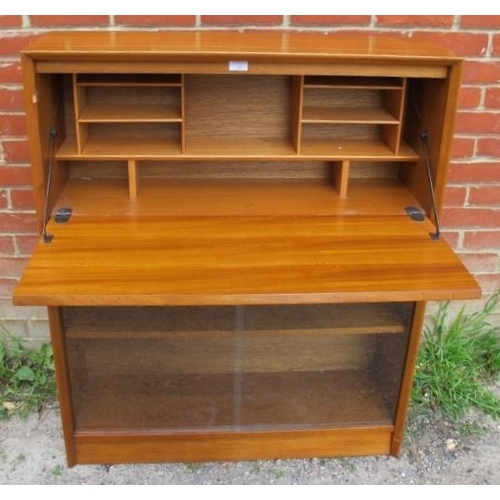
x=63, y=215
x=415, y=214
x=47, y=238
x=424, y=135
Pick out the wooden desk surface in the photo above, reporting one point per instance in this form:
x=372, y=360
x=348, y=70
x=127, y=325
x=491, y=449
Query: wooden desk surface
x=216, y=260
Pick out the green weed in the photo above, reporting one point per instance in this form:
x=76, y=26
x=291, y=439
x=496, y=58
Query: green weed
x=27, y=380
x=456, y=361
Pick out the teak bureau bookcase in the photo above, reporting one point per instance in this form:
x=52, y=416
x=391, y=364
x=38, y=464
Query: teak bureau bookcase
x=239, y=233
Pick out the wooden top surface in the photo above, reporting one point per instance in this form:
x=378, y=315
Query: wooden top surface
x=218, y=45
x=215, y=260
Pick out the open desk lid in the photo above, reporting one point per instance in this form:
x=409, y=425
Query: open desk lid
x=242, y=260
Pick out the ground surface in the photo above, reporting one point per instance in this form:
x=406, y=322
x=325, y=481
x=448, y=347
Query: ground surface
x=32, y=452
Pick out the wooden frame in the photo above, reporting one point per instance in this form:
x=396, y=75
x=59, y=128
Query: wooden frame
x=239, y=254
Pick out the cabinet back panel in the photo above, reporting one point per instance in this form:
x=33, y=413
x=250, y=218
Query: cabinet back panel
x=234, y=170
x=97, y=170
x=134, y=131
x=342, y=132
x=238, y=106
x=123, y=96
x=343, y=98
x=375, y=170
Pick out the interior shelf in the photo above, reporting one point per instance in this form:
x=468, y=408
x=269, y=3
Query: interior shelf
x=168, y=322
x=234, y=197
x=102, y=149
x=119, y=148
x=352, y=82
x=347, y=115
x=128, y=80
x=94, y=113
x=115, y=403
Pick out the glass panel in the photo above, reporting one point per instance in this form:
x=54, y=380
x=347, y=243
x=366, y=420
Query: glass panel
x=151, y=367
x=243, y=368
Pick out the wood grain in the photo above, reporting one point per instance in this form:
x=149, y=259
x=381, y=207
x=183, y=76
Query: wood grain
x=109, y=447
x=215, y=45
x=201, y=187
x=238, y=260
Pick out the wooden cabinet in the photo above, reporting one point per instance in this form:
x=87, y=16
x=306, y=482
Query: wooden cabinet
x=238, y=237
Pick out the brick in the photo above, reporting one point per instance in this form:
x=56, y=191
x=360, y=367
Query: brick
x=67, y=20
x=479, y=262
x=452, y=238
x=12, y=267
x=6, y=245
x=463, y=44
x=15, y=327
x=10, y=72
x=7, y=286
x=26, y=243
x=492, y=98
x=330, y=21
x=470, y=217
x=15, y=176
x=489, y=283
x=22, y=199
x=412, y=21
x=470, y=97
x=477, y=122
x=9, y=311
x=480, y=240
x=12, y=44
x=495, y=50
x=11, y=21
x=11, y=124
x=17, y=223
x=38, y=331
x=4, y=199
x=241, y=20
x=455, y=196
x=480, y=21
x=11, y=100
x=488, y=147
x=485, y=195
x=156, y=21
x=16, y=151
x=474, y=172
x=481, y=72
x=462, y=147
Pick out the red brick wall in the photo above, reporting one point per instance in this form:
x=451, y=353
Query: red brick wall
x=471, y=217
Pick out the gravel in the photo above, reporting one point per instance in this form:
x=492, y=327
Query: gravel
x=32, y=452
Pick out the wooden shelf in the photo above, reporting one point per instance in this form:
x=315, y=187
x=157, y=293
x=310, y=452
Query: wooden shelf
x=115, y=403
x=270, y=150
x=234, y=197
x=348, y=115
x=128, y=80
x=99, y=149
x=355, y=150
x=129, y=114
x=233, y=147
x=161, y=323
x=332, y=82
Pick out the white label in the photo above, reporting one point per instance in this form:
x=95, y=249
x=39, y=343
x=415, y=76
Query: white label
x=238, y=65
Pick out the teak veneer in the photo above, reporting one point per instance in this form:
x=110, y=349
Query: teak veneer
x=237, y=237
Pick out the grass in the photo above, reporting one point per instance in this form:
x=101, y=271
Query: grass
x=27, y=381
x=458, y=359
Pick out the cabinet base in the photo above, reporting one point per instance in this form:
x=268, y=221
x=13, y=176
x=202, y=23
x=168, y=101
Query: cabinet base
x=93, y=448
